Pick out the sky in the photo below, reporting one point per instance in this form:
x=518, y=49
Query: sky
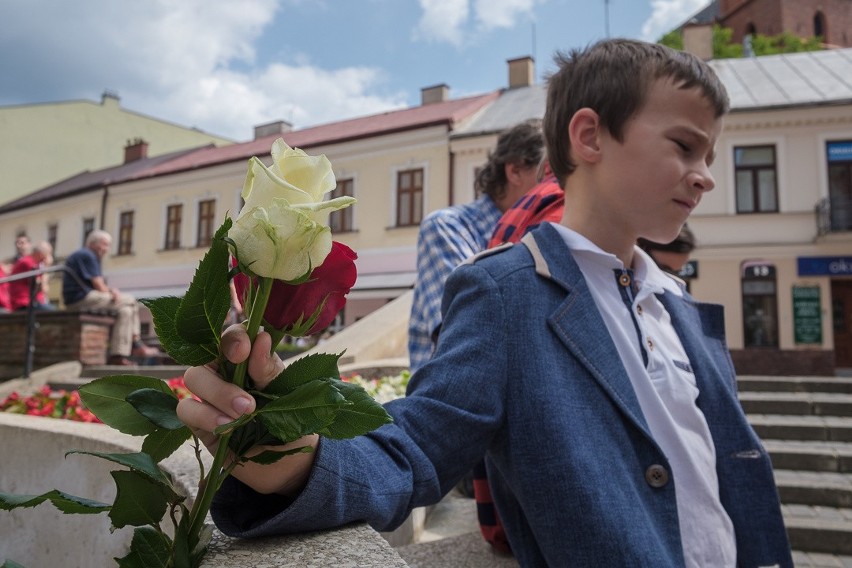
x=225, y=66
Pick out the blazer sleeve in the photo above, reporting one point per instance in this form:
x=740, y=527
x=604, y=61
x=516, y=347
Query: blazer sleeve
x=454, y=406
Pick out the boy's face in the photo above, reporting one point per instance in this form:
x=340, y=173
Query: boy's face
x=655, y=177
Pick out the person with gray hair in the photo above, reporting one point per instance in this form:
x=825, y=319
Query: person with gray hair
x=89, y=290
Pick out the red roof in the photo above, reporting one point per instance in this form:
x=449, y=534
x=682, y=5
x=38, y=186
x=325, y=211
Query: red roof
x=449, y=113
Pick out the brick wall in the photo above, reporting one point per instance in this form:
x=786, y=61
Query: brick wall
x=779, y=362
x=60, y=336
x=771, y=17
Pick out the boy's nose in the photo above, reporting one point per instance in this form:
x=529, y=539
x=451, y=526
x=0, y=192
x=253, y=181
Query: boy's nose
x=701, y=178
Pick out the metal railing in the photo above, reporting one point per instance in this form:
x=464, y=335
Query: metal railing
x=833, y=215
x=31, y=310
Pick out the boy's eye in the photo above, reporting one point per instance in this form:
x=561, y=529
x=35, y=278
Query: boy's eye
x=681, y=145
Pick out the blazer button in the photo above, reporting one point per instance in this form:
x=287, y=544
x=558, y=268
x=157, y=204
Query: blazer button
x=656, y=476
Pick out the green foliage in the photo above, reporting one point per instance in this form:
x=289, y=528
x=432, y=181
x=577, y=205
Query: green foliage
x=107, y=399
x=205, y=306
x=673, y=39
x=724, y=48
x=62, y=501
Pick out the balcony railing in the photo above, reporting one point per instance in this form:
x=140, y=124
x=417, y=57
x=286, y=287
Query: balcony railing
x=833, y=215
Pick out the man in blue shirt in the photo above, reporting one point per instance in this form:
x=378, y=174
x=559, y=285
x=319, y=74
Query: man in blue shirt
x=449, y=236
x=90, y=291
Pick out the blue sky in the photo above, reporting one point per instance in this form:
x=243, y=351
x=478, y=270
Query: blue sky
x=226, y=66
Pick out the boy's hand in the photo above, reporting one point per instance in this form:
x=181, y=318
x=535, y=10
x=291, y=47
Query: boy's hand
x=222, y=402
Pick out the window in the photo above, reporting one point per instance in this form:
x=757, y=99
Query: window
x=839, y=157
x=409, y=197
x=757, y=190
x=206, y=215
x=174, y=215
x=88, y=227
x=819, y=24
x=760, y=304
x=52, y=232
x=125, y=233
x=341, y=221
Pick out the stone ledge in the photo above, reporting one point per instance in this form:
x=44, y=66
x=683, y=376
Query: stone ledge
x=33, y=450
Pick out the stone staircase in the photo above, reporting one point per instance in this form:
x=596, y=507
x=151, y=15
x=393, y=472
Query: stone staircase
x=806, y=426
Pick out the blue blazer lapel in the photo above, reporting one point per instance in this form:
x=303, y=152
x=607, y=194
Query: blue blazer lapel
x=578, y=324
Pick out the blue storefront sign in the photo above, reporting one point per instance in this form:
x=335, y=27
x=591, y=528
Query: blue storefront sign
x=825, y=265
x=839, y=151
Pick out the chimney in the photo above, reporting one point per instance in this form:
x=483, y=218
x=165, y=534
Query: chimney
x=698, y=40
x=521, y=71
x=434, y=94
x=110, y=98
x=270, y=128
x=136, y=149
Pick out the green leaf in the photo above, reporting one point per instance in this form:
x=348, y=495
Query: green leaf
x=64, y=502
x=106, y=398
x=309, y=408
x=267, y=457
x=157, y=406
x=148, y=549
x=205, y=305
x=363, y=415
x=164, y=311
x=11, y=564
x=304, y=370
x=138, y=500
x=162, y=443
x=139, y=462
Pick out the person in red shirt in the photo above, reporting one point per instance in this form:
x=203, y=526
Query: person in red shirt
x=544, y=202
x=19, y=290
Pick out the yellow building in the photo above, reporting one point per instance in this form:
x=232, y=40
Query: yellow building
x=41, y=144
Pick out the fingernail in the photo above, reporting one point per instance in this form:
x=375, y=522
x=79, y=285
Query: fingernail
x=221, y=420
x=241, y=405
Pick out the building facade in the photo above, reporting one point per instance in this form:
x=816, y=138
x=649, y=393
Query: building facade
x=41, y=144
x=774, y=237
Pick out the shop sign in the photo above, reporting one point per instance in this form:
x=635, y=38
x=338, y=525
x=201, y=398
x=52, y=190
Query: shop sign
x=807, y=315
x=825, y=265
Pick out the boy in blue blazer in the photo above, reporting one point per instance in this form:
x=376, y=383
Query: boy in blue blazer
x=600, y=392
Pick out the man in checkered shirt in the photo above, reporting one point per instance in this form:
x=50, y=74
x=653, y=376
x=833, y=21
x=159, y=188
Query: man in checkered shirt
x=449, y=236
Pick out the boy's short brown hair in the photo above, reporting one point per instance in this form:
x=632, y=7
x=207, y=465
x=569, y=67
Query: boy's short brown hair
x=613, y=77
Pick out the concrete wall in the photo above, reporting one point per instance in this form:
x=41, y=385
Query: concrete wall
x=33, y=463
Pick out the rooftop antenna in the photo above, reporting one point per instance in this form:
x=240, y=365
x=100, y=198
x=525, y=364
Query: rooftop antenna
x=532, y=51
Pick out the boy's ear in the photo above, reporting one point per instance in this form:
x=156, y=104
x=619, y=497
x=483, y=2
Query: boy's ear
x=584, y=131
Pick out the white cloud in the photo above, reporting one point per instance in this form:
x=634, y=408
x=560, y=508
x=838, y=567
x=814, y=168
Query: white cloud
x=668, y=14
x=493, y=14
x=450, y=21
x=442, y=21
x=191, y=62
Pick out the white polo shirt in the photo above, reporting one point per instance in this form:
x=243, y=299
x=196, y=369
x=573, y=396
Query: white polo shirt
x=662, y=377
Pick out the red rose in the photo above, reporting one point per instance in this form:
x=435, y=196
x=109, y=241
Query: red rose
x=291, y=304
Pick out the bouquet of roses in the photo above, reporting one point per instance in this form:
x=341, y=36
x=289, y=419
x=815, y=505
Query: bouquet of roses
x=293, y=280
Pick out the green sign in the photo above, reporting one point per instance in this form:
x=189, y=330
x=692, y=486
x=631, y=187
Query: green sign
x=807, y=315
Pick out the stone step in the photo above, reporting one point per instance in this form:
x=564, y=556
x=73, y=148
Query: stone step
x=810, y=455
x=797, y=403
x=815, y=488
x=825, y=530
x=795, y=384
x=819, y=428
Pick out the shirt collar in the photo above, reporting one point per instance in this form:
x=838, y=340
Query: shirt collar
x=646, y=273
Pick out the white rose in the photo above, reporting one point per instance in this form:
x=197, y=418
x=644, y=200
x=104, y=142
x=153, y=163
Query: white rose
x=281, y=231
